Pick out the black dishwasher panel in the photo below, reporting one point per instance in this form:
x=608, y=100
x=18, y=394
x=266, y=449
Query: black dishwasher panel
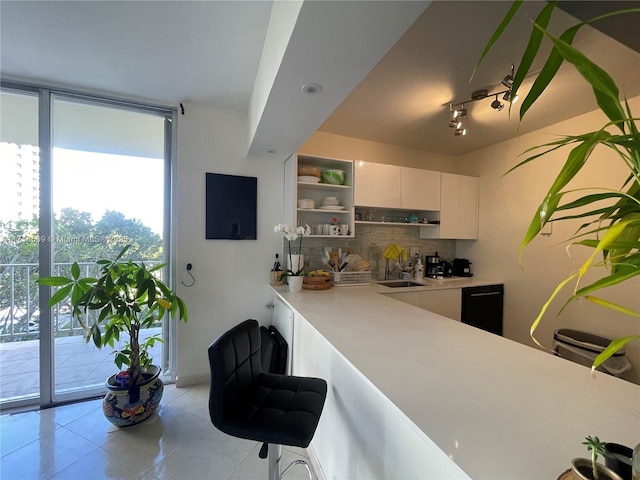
x=482, y=307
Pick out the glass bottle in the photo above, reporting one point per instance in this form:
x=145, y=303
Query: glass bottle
x=276, y=265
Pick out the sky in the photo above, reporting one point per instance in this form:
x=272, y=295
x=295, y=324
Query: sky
x=96, y=182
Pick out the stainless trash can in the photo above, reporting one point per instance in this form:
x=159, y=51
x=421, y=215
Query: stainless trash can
x=583, y=347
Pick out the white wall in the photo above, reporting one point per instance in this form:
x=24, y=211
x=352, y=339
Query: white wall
x=232, y=277
x=507, y=205
x=348, y=148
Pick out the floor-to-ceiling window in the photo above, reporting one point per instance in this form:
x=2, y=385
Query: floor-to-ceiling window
x=88, y=176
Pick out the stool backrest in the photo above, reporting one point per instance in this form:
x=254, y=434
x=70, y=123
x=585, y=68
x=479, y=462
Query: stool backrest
x=234, y=360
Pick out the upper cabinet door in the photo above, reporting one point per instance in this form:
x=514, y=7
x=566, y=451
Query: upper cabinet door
x=449, y=205
x=459, y=207
x=377, y=185
x=468, y=213
x=420, y=189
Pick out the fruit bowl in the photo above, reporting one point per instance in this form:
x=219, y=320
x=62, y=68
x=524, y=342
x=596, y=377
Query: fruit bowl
x=316, y=283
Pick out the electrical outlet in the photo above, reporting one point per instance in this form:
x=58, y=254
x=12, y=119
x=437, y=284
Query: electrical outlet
x=413, y=252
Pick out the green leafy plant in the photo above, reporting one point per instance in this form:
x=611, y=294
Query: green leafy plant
x=127, y=297
x=596, y=447
x=611, y=227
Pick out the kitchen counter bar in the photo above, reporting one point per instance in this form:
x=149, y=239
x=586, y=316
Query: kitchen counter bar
x=497, y=408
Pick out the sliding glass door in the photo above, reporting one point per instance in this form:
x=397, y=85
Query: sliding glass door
x=103, y=175
x=19, y=242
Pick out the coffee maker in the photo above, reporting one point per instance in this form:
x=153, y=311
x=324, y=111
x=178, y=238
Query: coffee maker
x=432, y=266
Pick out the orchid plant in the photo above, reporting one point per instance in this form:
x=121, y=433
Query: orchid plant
x=292, y=234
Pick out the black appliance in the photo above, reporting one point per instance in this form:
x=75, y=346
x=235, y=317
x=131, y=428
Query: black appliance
x=461, y=267
x=482, y=307
x=447, y=269
x=432, y=266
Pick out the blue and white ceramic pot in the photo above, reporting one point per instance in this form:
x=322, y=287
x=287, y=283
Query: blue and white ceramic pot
x=127, y=406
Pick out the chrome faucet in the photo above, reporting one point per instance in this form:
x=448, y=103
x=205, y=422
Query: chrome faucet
x=388, y=271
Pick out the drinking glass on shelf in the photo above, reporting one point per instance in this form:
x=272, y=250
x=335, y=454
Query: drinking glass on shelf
x=370, y=216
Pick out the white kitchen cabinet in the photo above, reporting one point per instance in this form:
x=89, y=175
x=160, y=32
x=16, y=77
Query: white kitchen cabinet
x=412, y=298
x=391, y=186
x=458, y=208
x=377, y=185
x=319, y=215
x=468, y=208
x=420, y=189
x=447, y=303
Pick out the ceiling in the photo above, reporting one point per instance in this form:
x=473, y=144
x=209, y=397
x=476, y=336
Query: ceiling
x=405, y=99
x=209, y=52
x=167, y=52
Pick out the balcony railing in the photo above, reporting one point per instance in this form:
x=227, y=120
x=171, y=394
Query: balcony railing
x=19, y=308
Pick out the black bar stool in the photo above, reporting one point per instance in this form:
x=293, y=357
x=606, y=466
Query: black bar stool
x=247, y=403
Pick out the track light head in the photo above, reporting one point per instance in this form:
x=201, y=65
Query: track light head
x=497, y=104
x=460, y=131
x=460, y=112
x=507, y=81
x=508, y=98
x=455, y=124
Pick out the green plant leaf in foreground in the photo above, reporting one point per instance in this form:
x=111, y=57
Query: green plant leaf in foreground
x=611, y=225
x=605, y=88
x=545, y=307
x=501, y=28
x=608, y=352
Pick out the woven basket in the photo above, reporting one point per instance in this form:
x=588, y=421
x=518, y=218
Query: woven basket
x=316, y=283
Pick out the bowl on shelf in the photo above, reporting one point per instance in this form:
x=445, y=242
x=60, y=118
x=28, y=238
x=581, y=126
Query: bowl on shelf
x=306, y=203
x=332, y=176
x=308, y=170
x=330, y=201
x=308, y=179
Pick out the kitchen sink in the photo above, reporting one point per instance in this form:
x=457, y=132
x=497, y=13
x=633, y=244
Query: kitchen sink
x=403, y=283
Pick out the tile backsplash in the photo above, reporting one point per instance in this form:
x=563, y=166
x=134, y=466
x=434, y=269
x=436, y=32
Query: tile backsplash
x=370, y=241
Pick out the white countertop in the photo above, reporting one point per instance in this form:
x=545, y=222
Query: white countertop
x=497, y=408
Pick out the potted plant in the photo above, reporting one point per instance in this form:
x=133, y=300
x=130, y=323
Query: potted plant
x=590, y=469
x=295, y=264
x=125, y=298
x=611, y=228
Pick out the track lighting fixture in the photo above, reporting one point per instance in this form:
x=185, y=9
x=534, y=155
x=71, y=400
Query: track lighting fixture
x=458, y=111
x=497, y=104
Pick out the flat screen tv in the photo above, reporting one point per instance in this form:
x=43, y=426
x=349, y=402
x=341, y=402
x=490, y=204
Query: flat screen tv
x=231, y=204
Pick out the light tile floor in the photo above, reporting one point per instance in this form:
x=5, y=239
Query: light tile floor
x=179, y=442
